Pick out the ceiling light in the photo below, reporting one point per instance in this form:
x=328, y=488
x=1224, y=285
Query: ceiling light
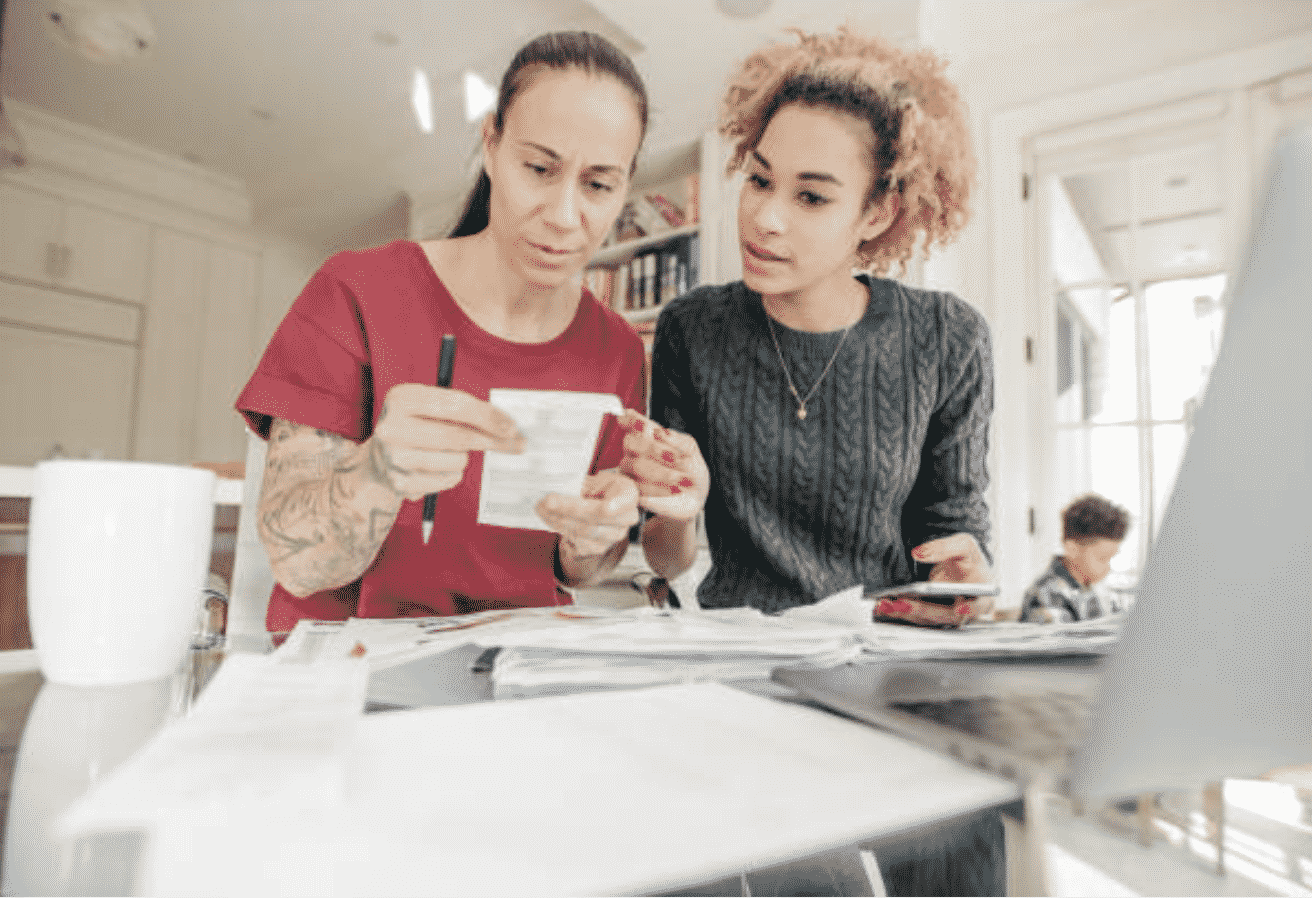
x=480, y=97
x=421, y=98
x=743, y=9
x=102, y=30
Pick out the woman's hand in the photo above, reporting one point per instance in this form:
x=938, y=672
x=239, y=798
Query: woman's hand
x=424, y=435
x=667, y=467
x=955, y=559
x=591, y=526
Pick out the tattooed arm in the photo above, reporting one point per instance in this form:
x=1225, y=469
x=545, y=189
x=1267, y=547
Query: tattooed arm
x=325, y=507
x=328, y=503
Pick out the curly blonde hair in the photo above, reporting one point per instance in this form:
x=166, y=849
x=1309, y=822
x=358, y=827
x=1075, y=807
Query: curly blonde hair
x=921, y=146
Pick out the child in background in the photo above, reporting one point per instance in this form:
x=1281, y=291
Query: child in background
x=1092, y=528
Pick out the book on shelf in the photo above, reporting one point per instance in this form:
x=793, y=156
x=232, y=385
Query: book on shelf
x=672, y=214
x=648, y=218
x=650, y=281
x=658, y=209
x=651, y=278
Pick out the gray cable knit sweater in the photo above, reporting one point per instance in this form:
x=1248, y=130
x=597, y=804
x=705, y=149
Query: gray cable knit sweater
x=892, y=451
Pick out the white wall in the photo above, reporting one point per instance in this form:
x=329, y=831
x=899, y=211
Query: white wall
x=286, y=268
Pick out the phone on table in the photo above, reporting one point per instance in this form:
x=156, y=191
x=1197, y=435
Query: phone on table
x=938, y=592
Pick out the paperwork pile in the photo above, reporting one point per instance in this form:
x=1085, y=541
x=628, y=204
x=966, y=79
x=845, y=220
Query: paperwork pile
x=571, y=648
x=646, y=647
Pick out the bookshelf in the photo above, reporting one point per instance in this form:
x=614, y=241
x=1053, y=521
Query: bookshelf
x=617, y=253
x=675, y=217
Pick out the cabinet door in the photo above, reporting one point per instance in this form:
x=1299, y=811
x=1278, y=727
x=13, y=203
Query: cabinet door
x=65, y=390
x=30, y=224
x=106, y=253
x=166, y=429
x=226, y=353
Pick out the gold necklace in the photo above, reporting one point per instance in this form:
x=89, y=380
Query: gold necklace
x=803, y=400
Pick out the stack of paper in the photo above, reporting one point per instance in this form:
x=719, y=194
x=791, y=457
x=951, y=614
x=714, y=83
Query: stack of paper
x=645, y=647
x=568, y=648
x=997, y=639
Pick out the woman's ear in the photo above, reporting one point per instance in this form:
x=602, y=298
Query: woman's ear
x=881, y=216
x=490, y=137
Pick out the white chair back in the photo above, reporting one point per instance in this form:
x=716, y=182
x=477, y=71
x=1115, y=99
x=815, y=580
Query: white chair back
x=252, y=576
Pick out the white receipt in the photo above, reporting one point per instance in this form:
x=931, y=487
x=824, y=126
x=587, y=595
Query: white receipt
x=560, y=430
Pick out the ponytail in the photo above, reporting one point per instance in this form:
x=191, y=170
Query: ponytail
x=477, y=210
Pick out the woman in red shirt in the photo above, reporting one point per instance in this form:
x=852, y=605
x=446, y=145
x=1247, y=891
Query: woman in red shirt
x=357, y=433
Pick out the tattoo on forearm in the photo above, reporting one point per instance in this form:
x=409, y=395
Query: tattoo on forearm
x=381, y=464
x=318, y=532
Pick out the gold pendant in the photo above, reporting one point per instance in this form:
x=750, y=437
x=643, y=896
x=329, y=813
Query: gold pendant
x=801, y=413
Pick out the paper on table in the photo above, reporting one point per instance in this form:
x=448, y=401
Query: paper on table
x=725, y=631
x=389, y=642
x=560, y=429
x=656, y=789
x=990, y=639
x=524, y=673
x=263, y=729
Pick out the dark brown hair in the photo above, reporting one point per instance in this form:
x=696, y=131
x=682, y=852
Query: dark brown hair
x=560, y=50
x=920, y=146
x=1093, y=517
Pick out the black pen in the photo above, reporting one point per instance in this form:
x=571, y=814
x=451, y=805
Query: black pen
x=446, y=363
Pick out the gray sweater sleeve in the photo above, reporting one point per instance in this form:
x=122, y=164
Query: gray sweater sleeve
x=948, y=495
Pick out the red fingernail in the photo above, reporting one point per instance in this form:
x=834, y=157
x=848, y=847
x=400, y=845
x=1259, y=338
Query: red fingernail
x=686, y=483
x=963, y=609
x=893, y=606
x=663, y=433
x=637, y=426
x=674, y=491
x=668, y=457
x=918, y=551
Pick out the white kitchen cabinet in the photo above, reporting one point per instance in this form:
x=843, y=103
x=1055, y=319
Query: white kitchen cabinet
x=30, y=226
x=107, y=254
x=227, y=352
x=56, y=241
x=169, y=362
x=69, y=388
x=197, y=350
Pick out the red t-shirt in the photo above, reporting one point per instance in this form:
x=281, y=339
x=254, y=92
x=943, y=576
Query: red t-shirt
x=372, y=319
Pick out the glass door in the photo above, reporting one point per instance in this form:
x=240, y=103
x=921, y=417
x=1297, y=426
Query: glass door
x=1135, y=247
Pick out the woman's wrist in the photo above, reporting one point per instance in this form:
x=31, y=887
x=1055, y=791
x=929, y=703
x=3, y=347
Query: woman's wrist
x=573, y=569
x=669, y=544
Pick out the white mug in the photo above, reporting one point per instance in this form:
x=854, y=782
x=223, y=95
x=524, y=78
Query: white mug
x=117, y=558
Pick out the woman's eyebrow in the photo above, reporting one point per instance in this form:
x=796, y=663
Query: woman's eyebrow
x=546, y=151
x=599, y=168
x=823, y=177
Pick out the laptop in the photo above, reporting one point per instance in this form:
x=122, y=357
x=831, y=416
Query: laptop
x=1212, y=674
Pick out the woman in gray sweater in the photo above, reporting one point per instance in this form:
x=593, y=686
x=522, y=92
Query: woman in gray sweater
x=833, y=427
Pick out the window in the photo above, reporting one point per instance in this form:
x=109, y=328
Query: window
x=1136, y=234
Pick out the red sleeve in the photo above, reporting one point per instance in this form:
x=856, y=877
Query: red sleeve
x=610, y=445
x=315, y=370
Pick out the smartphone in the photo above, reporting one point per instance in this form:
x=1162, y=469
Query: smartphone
x=937, y=592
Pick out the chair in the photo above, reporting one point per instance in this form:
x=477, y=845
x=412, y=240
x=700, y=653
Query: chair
x=252, y=575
